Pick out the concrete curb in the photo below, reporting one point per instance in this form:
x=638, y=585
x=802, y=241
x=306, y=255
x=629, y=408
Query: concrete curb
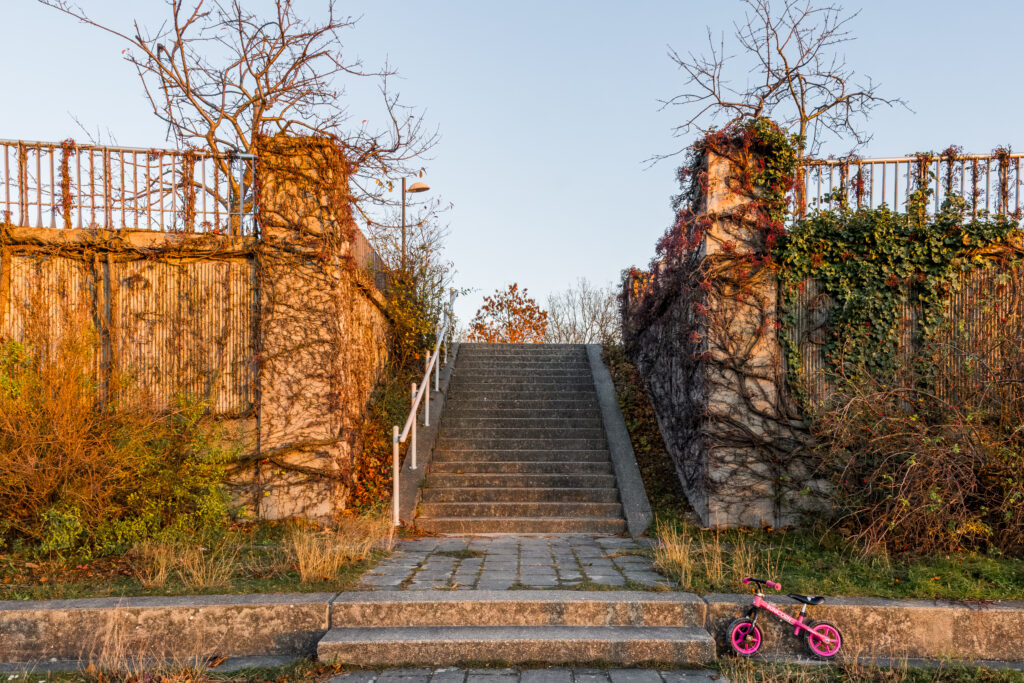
x=187, y=628
x=176, y=627
x=410, y=479
x=627, y=474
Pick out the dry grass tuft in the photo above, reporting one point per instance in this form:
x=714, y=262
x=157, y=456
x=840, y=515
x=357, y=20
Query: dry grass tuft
x=708, y=563
x=674, y=554
x=151, y=562
x=320, y=555
x=202, y=567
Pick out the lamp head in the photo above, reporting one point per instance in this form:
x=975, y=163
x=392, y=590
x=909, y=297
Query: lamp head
x=418, y=187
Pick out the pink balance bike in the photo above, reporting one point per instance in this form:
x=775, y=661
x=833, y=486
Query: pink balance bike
x=822, y=638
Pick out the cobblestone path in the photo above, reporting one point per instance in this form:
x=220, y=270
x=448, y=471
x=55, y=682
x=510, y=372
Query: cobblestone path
x=509, y=562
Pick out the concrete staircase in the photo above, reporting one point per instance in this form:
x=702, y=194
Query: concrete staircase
x=439, y=628
x=522, y=447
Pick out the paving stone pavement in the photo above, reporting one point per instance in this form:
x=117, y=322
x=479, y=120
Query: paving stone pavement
x=505, y=562
x=552, y=675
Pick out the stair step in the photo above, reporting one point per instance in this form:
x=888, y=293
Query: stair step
x=438, y=646
x=500, y=393
x=563, y=432
x=524, y=357
x=528, y=608
x=523, y=408
x=521, y=525
x=520, y=467
x=525, y=377
x=492, y=421
x=530, y=510
x=519, y=495
x=514, y=455
x=585, y=481
x=584, y=410
x=499, y=443
x=473, y=367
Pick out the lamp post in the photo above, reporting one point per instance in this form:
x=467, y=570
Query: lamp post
x=415, y=187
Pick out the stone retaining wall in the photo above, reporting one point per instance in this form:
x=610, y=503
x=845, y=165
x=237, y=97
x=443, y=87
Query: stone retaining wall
x=286, y=334
x=187, y=627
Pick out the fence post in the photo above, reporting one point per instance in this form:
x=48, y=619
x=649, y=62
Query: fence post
x=394, y=473
x=426, y=395
x=23, y=184
x=412, y=446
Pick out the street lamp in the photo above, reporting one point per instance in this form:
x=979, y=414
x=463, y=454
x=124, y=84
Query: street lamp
x=415, y=187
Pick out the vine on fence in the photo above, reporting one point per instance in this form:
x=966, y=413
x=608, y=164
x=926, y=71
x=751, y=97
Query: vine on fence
x=874, y=263
x=919, y=427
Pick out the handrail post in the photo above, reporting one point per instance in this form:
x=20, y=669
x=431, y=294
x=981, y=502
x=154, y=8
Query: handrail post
x=394, y=472
x=412, y=446
x=426, y=396
x=437, y=374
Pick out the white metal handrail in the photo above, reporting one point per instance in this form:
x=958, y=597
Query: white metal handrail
x=420, y=391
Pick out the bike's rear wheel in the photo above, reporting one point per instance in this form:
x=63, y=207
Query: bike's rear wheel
x=744, y=637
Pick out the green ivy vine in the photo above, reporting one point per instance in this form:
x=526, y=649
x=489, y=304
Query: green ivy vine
x=871, y=262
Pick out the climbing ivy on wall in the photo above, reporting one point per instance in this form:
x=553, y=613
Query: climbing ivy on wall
x=872, y=263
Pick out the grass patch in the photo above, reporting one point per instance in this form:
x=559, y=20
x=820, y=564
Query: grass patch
x=746, y=671
x=463, y=554
x=808, y=560
x=264, y=557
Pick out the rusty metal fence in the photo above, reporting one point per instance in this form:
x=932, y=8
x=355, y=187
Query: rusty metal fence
x=67, y=185
x=991, y=183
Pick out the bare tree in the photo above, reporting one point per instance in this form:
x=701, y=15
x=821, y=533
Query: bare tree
x=794, y=72
x=221, y=75
x=584, y=314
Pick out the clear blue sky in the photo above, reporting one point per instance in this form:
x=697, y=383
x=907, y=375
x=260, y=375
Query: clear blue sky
x=547, y=110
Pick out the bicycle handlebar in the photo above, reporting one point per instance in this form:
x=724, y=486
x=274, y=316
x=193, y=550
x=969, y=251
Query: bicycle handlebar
x=766, y=582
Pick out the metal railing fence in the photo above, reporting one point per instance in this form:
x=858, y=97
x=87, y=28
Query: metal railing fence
x=991, y=183
x=421, y=394
x=67, y=185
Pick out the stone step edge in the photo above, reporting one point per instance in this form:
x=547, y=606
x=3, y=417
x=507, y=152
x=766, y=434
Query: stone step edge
x=626, y=645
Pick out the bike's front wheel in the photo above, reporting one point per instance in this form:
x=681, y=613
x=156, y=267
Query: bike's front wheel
x=744, y=636
x=823, y=640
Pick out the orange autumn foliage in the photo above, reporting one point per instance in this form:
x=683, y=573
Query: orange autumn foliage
x=509, y=317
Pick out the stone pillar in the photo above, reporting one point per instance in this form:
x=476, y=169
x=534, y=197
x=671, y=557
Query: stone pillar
x=706, y=345
x=322, y=337
x=743, y=369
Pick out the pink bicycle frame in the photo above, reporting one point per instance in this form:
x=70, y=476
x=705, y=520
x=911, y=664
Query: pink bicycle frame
x=797, y=622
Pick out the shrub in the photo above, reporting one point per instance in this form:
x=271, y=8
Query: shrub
x=86, y=473
x=930, y=457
